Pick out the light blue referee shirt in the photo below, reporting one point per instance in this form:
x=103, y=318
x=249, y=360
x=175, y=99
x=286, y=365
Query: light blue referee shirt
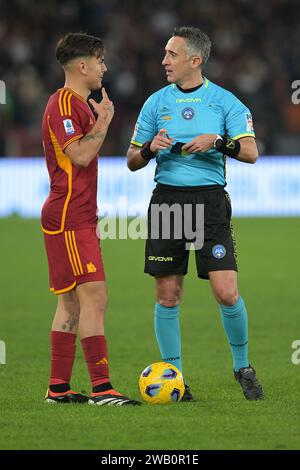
x=210, y=109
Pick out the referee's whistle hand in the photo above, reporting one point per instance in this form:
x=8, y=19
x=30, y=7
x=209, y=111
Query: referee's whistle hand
x=161, y=141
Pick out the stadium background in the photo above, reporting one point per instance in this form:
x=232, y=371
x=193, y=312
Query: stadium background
x=255, y=55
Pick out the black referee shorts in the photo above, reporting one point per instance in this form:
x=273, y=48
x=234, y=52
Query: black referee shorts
x=166, y=256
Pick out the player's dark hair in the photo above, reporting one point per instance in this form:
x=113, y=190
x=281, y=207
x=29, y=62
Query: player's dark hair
x=197, y=41
x=74, y=45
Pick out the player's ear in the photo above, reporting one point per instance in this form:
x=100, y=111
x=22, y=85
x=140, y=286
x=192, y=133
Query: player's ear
x=82, y=67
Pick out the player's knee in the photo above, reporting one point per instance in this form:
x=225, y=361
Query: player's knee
x=100, y=303
x=227, y=297
x=104, y=304
x=93, y=298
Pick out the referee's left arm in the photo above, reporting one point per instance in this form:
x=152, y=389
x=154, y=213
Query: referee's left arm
x=248, y=152
x=243, y=149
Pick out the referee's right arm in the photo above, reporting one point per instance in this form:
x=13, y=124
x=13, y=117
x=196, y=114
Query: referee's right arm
x=139, y=156
x=135, y=161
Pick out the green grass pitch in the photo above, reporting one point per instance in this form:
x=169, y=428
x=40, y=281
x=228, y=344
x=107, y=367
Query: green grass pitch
x=221, y=418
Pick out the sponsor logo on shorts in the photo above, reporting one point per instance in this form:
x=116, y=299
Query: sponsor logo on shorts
x=68, y=126
x=188, y=113
x=91, y=268
x=160, y=258
x=218, y=251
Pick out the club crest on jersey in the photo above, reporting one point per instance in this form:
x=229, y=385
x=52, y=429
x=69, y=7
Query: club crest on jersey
x=68, y=126
x=188, y=113
x=249, y=122
x=218, y=251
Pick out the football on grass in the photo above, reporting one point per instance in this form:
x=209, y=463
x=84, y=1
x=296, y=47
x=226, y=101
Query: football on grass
x=161, y=383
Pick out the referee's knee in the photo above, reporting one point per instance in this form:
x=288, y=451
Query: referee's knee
x=171, y=302
x=227, y=298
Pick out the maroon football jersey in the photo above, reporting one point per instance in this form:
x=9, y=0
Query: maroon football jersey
x=72, y=201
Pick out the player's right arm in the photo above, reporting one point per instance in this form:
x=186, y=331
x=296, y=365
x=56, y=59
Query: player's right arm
x=82, y=151
x=135, y=159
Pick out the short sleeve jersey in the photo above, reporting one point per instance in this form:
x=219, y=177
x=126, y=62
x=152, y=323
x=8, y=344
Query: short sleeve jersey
x=72, y=201
x=209, y=109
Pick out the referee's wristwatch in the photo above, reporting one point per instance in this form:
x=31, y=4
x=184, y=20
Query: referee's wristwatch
x=227, y=146
x=218, y=142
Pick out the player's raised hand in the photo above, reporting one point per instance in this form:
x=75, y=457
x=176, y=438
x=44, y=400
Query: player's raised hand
x=161, y=141
x=201, y=143
x=104, y=94
x=105, y=109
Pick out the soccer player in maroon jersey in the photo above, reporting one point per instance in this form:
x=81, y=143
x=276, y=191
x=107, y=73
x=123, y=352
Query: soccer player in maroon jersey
x=72, y=138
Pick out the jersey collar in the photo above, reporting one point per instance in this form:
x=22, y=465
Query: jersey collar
x=191, y=90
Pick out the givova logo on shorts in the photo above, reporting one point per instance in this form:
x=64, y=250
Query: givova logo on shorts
x=160, y=258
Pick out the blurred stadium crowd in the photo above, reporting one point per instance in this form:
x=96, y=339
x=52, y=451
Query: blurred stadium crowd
x=255, y=54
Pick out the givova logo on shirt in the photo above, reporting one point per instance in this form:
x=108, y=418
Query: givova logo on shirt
x=68, y=125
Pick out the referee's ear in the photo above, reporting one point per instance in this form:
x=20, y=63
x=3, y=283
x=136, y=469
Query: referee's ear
x=196, y=61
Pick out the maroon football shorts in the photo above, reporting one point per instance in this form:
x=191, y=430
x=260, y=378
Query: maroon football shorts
x=74, y=257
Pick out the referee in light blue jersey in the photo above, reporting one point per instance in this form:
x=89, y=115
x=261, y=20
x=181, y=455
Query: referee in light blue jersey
x=190, y=127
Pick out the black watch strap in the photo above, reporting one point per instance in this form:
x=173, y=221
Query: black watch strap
x=227, y=146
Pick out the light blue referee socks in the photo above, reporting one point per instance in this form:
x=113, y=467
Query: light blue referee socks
x=167, y=330
x=235, y=324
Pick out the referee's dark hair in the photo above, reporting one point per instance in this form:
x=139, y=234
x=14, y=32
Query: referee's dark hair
x=197, y=41
x=74, y=45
